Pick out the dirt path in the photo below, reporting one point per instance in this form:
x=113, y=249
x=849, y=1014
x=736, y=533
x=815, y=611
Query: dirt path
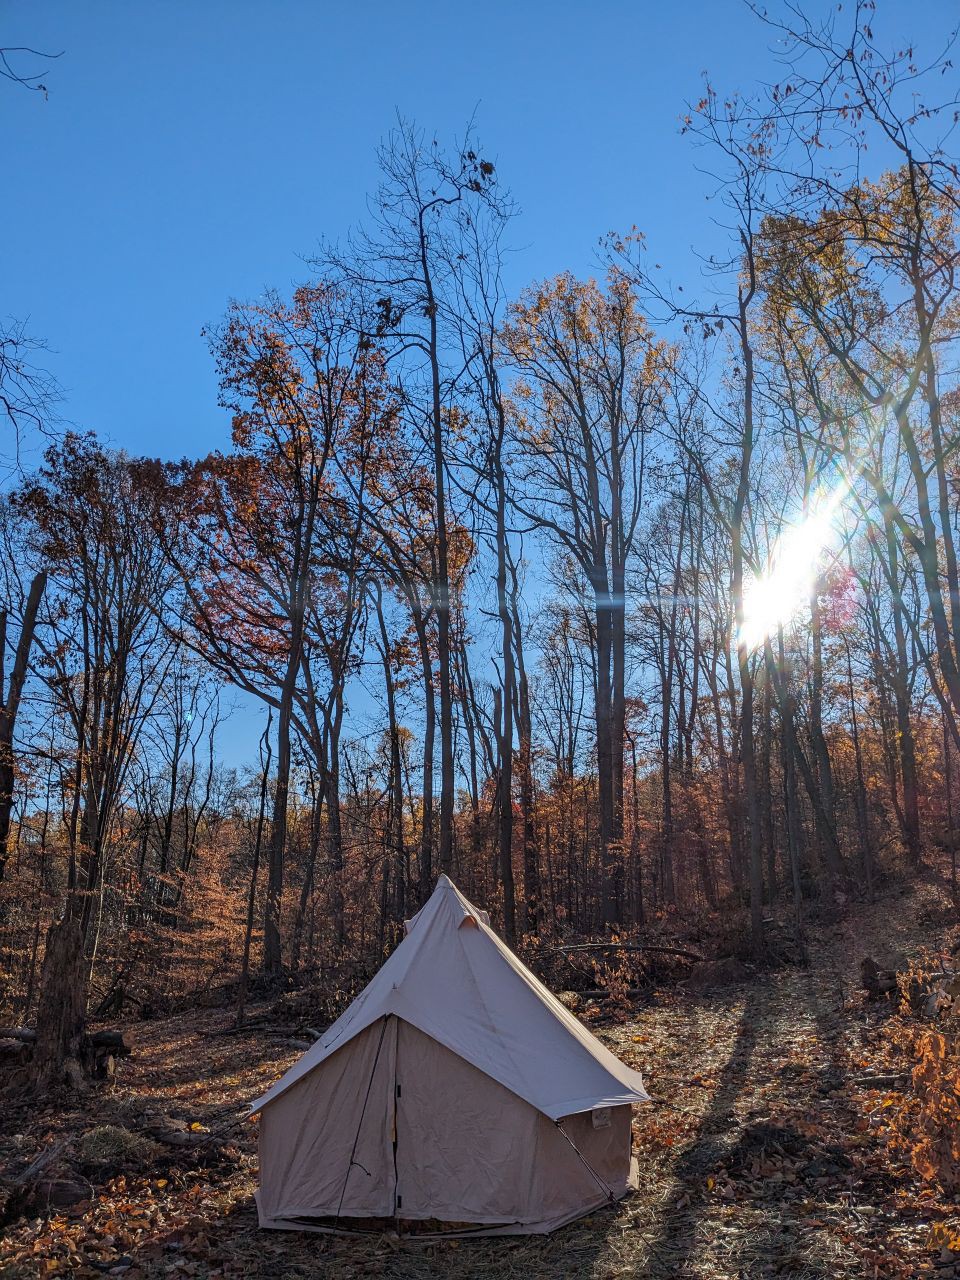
x=760, y=1156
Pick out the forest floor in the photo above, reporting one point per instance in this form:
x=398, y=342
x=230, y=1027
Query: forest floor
x=764, y=1153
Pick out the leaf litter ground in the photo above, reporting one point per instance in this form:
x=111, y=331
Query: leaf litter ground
x=764, y=1154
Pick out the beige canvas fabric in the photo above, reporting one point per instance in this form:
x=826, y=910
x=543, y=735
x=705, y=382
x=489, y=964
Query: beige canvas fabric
x=454, y=979
x=437, y=1095
x=469, y=1150
x=308, y=1161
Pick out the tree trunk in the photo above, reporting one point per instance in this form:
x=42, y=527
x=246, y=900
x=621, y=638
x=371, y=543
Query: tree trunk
x=821, y=756
x=429, y=733
x=395, y=816
x=272, y=947
x=766, y=789
x=506, y=720
x=905, y=741
x=532, y=889
x=863, y=825
x=62, y=1008
x=603, y=713
x=442, y=588
x=266, y=748
x=747, y=747
x=10, y=704
x=335, y=838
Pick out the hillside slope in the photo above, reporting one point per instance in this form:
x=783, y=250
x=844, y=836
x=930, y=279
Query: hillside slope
x=765, y=1154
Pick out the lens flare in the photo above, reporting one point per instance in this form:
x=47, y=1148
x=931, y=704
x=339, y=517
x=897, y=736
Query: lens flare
x=776, y=597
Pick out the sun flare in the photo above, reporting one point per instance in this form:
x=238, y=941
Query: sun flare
x=776, y=597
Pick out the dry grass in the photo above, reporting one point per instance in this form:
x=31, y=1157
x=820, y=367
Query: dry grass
x=112, y=1147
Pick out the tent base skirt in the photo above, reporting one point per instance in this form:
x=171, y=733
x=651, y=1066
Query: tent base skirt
x=431, y=1229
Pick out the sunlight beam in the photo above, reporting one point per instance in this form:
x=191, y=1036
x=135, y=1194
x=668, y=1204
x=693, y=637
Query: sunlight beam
x=774, y=598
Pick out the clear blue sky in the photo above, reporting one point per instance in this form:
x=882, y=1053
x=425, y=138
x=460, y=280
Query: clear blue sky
x=190, y=150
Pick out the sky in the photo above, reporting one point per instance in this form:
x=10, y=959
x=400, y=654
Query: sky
x=194, y=151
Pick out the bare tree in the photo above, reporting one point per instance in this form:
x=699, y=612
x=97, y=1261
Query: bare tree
x=407, y=263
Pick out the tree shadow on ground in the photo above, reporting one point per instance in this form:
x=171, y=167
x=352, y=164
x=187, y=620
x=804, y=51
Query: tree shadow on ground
x=759, y=1236
x=673, y=1243
x=831, y=1005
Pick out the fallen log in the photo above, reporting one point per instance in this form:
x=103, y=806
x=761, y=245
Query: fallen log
x=249, y=1028
x=602, y=993
x=895, y=1081
x=113, y=1040
x=629, y=946
x=295, y=1037
x=96, y=1055
x=15, y=1052
x=176, y=1138
x=96, y=1039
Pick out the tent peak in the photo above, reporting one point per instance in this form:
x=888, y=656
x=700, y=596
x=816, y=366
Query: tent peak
x=446, y=897
x=455, y=980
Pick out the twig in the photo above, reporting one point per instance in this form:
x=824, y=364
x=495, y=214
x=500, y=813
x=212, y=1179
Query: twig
x=39, y=1164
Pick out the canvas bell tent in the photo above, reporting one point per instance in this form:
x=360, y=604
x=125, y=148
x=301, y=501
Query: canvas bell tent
x=455, y=1090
